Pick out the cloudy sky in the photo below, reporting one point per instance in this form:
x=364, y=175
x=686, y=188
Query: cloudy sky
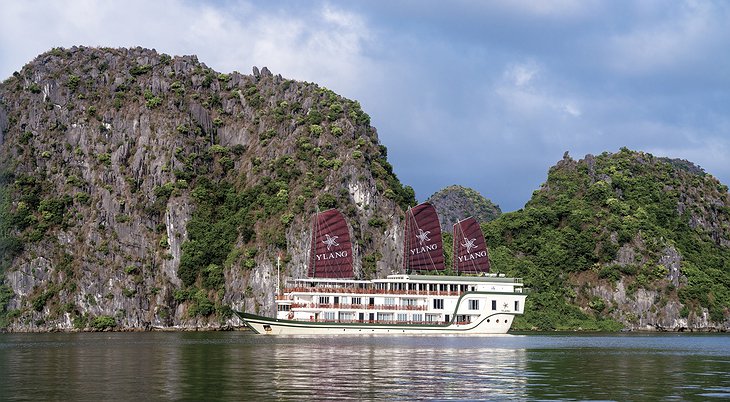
x=485, y=94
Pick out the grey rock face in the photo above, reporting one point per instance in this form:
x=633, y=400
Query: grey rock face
x=120, y=137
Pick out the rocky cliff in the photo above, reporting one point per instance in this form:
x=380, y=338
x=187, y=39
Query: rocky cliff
x=143, y=190
x=455, y=203
x=621, y=240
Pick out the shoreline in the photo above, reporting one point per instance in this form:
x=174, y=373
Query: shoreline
x=243, y=328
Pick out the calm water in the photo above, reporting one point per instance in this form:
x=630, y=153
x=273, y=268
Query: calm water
x=242, y=366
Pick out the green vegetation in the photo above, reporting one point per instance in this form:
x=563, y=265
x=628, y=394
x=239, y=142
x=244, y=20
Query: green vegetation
x=586, y=212
x=103, y=322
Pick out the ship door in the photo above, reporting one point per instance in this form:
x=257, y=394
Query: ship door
x=372, y=317
x=447, y=318
x=372, y=301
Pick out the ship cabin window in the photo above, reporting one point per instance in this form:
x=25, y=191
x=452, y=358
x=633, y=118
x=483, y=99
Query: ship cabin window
x=438, y=304
x=494, y=304
x=385, y=316
x=408, y=302
x=390, y=301
x=432, y=317
x=454, y=288
x=324, y=299
x=336, y=299
x=432, y=287
x=418, y=317
x=517, y=305
x=402, y=317
x=473, y=304
x=463, y=288
x=442, y=287
x=356, y=300
x=283, y=307
x=329, y=315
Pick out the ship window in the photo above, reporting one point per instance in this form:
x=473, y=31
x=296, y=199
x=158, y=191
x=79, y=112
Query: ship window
x=517, y=305
x=324, y=299
x=402, y=317
x=329, y=315
x=494, y=304
x=389, y=301
x=284, y=307
x=473, y=304
x=385, y=316
x=418, y=317
x=356, y=300
x=438, y=304
x=408, y=302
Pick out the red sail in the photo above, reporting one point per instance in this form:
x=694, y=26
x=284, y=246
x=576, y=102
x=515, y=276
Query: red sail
x=423, y=248
x=470, y=249
x=331, y=252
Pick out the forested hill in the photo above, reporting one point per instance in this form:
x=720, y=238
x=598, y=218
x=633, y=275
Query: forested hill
x=620, y=240
x=139, y=189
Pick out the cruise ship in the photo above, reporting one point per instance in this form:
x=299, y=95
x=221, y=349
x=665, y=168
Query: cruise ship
x=422, y=301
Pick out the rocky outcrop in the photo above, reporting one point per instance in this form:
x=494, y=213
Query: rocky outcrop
x=111, y=155
x=455, y=203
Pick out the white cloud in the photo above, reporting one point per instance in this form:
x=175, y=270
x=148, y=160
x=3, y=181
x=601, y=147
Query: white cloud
x=555, y=9
x=323, y=44
x=521, y=74
x=669, y=43
x=526, y=91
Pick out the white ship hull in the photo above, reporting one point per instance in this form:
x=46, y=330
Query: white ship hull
x=499, y=324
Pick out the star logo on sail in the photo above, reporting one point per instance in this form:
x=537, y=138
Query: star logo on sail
x=423, y=236
x=469, y=244
x=330, y=241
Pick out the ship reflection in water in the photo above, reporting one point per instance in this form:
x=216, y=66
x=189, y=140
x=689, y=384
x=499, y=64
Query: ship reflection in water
x=410, y=368
x=243, y=366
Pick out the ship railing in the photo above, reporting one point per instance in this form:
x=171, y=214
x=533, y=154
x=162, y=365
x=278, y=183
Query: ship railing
x=386, y=322
x=302, y=289
x=343, y=306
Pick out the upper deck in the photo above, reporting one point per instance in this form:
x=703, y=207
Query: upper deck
x=407, y=284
